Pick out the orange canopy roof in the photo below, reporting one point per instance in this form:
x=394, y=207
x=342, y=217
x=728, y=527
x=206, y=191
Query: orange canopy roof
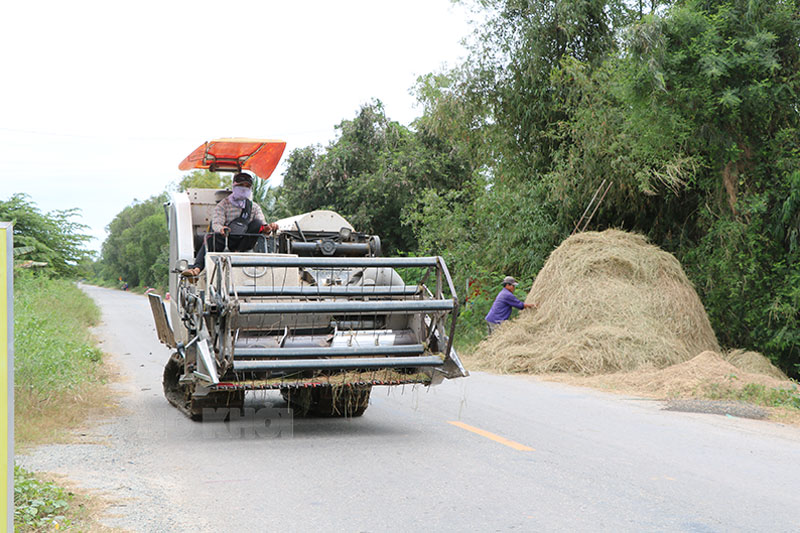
x=259, y=156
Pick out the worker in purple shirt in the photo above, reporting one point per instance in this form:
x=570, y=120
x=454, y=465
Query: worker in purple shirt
x=501, y=308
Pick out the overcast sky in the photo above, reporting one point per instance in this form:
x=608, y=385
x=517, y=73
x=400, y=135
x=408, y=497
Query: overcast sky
x=100, y=101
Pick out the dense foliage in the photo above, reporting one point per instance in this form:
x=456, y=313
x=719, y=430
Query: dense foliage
x=51, y=238
x=692, y=112
x=136, y=250
x=373, y=174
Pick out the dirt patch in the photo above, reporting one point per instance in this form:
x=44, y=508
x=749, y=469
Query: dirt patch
x=86, y=507
x=65, y=418
x=608, y=302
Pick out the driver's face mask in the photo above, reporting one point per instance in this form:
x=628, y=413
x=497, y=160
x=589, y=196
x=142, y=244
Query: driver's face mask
x=241, y=192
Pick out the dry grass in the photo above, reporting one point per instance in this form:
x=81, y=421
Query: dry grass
x=51, y=420
x=338, y=379
x=56, y=420
x=608, y=302
x=87, y=507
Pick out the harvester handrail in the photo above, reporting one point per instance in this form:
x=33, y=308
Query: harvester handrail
x=327, y=262
x=332, y=290
x=383, y=306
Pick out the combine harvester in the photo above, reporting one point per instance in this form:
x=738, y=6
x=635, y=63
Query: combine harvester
x=313, y=310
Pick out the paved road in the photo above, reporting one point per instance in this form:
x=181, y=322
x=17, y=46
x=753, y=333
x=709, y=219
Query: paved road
x=573, y=460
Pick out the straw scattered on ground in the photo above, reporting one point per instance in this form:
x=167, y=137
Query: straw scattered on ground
x=705, y=375
x=754, y=363
x=709, y=375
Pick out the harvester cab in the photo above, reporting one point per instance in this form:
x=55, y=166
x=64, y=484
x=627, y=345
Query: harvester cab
x=313, y=310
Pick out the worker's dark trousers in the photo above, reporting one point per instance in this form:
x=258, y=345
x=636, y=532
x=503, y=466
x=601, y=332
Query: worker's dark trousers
x=236, y=243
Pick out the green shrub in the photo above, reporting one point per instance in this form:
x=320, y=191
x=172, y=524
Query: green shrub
x=38, y=504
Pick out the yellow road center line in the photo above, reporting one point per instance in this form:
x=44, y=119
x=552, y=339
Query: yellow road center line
x=492, y=436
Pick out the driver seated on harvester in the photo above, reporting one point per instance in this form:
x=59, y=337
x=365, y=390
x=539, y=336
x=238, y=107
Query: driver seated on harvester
x=237, y=221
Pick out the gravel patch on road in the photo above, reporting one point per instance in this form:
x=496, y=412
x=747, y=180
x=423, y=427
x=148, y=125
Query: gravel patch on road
x=112, y=460
x=717, y=407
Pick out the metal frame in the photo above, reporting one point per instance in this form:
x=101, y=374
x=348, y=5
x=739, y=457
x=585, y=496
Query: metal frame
x=224, y=295
x=442, y=276
x=329, y=262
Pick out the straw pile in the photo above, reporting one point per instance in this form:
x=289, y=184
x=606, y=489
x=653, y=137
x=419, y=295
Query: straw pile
x=705, y=374
x=608, y=302
x=754, y=363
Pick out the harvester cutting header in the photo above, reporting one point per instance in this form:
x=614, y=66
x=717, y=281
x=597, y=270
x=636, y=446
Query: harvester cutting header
x=312, y=310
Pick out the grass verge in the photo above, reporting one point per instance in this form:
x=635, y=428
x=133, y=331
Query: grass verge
x=758, y=394
x=58, y=374
x=58, y=380
x=781, y=402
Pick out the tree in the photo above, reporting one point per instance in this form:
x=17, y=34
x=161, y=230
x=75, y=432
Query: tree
x=204, y=179
x=53, y=238
x=373, y=174
x=502, y=110
x=137, y=246
x=729, y=70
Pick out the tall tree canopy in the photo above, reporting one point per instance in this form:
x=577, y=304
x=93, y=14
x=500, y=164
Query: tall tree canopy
x=373, y=174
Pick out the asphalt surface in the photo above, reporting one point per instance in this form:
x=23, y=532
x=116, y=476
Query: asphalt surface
x=485, y=453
